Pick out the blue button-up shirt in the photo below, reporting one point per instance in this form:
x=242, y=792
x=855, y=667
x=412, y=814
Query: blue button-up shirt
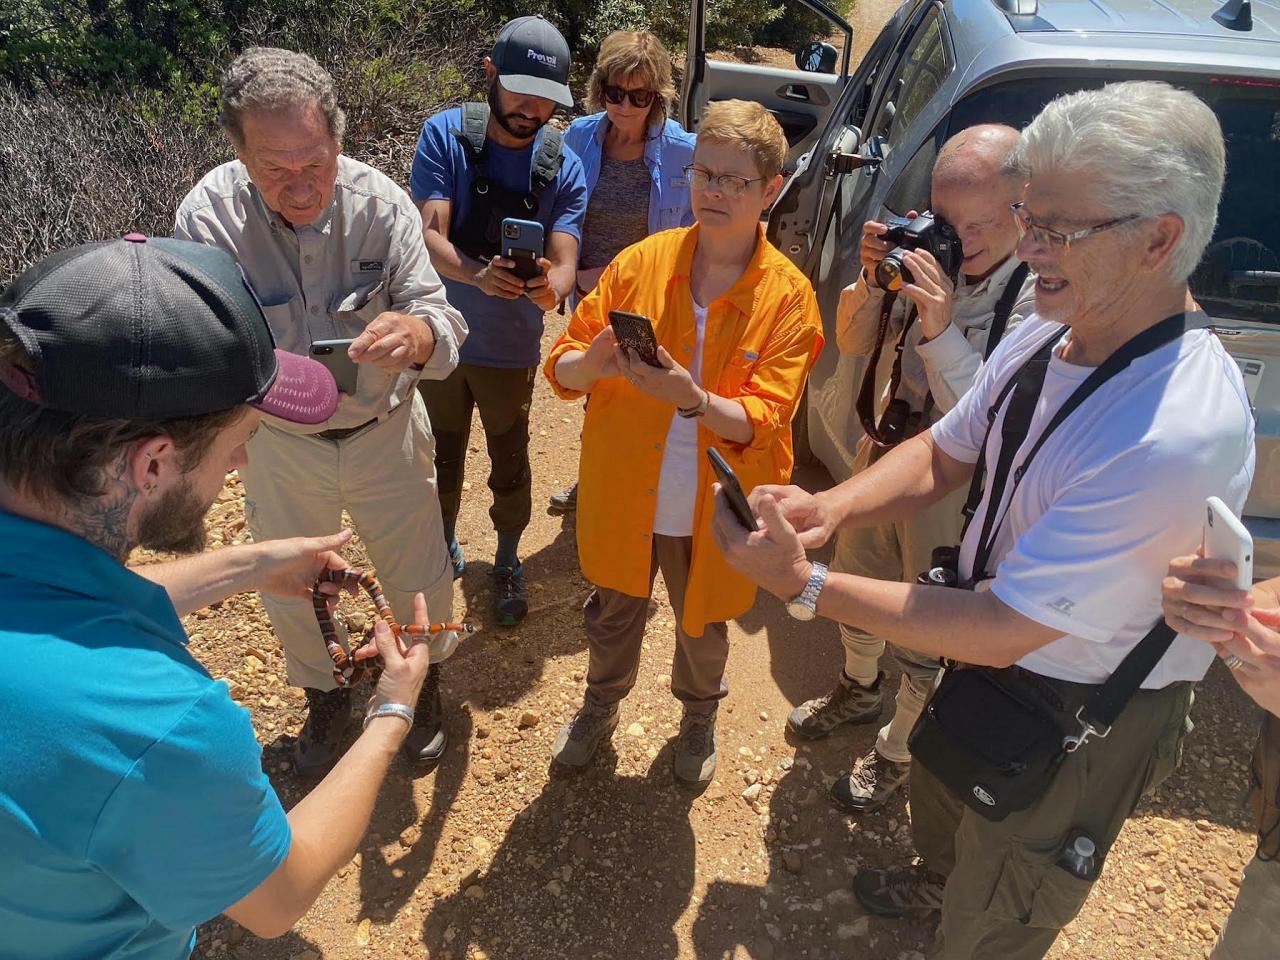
x=667, y=151
x=133, y=805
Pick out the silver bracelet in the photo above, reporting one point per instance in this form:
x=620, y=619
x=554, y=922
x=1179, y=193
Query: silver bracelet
x=401, y=710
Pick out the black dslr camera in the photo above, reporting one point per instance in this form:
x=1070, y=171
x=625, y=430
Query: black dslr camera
x=927, y=232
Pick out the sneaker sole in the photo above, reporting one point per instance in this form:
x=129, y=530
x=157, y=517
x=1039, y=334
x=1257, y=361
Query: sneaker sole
x=820, y=734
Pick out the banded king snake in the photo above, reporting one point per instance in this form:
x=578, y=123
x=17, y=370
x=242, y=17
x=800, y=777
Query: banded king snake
x=346, y=671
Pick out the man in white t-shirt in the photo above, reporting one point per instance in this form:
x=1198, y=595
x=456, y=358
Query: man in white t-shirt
x=1121, y=200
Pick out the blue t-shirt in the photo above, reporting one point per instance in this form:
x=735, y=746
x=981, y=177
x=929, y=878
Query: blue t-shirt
x=504, y=333
x=133, y=805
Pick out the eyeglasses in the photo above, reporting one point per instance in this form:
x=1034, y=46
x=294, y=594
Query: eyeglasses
x=639, y=97
x=1055, y=240
x=729, y=184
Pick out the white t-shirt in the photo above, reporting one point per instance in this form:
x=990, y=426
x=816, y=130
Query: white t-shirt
x=1114, y=494
x=678, y=481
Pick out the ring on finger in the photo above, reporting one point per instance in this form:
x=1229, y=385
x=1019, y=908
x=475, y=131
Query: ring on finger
x=1233, y=662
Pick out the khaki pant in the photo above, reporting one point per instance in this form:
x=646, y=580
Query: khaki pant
x=615, y=634
x=1005, y=896
x=895, y=551
x=385, y=478
x=1252, y=931
x=504, y=397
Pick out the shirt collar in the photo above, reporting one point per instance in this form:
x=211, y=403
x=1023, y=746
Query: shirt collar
x=40, y=553
x=996, y=281
x=743, y=293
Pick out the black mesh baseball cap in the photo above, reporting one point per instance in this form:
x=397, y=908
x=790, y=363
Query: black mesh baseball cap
x=153, y=328
x=532, y=58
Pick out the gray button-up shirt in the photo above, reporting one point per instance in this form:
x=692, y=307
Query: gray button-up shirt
x=327, y=280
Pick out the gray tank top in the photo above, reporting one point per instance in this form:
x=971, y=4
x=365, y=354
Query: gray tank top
x=618, y=211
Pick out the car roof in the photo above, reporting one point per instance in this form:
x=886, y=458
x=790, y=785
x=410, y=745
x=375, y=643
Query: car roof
x=1112, y=36
x=1185, y=18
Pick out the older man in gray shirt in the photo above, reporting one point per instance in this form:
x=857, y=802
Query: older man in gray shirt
x=333, y=250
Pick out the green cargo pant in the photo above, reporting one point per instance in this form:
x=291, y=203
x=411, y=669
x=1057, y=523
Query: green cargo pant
x=1005, y=895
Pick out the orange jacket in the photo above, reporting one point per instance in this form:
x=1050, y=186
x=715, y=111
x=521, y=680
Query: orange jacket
x=761, y=339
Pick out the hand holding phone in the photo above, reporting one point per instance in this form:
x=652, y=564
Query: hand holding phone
x=1226, y=538
x=732, y=490
x=522, y=243
x=634, y=332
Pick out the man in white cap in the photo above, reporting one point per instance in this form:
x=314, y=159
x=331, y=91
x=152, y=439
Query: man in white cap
x=477, y=165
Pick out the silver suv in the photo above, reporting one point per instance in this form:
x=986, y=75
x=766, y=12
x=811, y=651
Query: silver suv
x=937, y=68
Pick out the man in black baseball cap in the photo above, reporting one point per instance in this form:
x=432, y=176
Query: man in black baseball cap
x=133, y=805
x=477, y=166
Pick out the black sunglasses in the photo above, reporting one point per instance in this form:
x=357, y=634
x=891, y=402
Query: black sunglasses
x=639, y=97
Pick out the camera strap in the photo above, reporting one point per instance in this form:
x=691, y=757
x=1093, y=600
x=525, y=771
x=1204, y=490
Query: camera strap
x=865, y=403
x=1004, y=307
x=1106, y=703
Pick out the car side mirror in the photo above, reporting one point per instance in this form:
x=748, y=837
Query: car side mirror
x=817, y=57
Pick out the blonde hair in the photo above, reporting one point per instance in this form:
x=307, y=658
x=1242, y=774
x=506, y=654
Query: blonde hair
x=750, y=127
x=634, y=53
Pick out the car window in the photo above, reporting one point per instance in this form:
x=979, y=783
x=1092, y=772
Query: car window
x=916, y=78
x=911, y=190
x=1239, y=277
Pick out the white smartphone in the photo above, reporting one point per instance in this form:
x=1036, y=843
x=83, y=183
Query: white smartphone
x=1225, y=538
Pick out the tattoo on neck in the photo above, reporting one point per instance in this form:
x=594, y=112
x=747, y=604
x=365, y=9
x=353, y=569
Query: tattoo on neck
x=104, y=520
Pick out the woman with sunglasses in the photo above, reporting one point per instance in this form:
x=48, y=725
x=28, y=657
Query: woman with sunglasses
x=633, y=156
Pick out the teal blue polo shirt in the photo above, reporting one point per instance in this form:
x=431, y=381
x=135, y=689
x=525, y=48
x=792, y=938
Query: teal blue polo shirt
x=133, y=805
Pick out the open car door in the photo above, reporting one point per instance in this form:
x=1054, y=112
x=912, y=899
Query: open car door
x=800, y=96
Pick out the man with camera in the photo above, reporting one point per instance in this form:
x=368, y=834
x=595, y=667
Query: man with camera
x=1089, y=443
x=333, y=250
x=483, y=174
x=944, y=287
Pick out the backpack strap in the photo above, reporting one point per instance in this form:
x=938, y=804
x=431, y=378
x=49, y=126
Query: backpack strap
x=473, y=135
x=547, y=161
x=1004, y=307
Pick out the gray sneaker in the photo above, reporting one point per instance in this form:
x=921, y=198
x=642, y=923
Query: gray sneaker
x=577, y=741
x=900, y=891
x=694, y=760
x=849, y=702
x=871, y=782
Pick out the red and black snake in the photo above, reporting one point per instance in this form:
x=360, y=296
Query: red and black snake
x=346, y=671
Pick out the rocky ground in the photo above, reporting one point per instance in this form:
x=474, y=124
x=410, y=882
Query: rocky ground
x=495, y=855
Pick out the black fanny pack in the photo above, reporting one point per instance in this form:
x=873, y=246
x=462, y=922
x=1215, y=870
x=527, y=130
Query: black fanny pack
x=996, y=737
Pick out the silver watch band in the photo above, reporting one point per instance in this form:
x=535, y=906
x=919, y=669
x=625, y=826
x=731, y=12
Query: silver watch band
x=401, y=710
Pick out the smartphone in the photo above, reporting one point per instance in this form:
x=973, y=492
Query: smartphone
x=333, y=354
x=522, y=242
x=635, y=335
x=732, y=489
x=1225, y=538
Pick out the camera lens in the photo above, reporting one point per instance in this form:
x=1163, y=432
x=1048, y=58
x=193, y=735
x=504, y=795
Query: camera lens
x=891, y=274
x=510, y=231
x=323, y=351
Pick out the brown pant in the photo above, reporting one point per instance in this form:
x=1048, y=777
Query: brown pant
x=615, y=634
x=1005, y=896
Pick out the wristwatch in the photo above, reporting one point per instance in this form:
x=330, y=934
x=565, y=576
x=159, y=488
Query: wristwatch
x=697, y=411
x=805, y=606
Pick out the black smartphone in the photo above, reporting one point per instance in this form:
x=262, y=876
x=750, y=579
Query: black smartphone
x=732, y=489
x=635, y=335
x=522, y=242
x=333, y=354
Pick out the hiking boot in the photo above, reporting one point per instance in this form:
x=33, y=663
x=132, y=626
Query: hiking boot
x=849, y=702
x=427, y=737
x=900, y=891
x=694, y=761
x=319, y=744
x=872, y=781
x=564, y=501
x=577, y=741
x=457, y=560
x=510, y=599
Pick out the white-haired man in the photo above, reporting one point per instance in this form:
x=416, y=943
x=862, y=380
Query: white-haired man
x=1099, y=426
x=333, y=250
x=946, y=325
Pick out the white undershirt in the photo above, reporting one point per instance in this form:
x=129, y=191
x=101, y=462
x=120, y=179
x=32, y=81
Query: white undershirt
x=678, y=480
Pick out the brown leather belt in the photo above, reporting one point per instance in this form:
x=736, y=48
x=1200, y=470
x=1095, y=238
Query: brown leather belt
x=345, y=432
